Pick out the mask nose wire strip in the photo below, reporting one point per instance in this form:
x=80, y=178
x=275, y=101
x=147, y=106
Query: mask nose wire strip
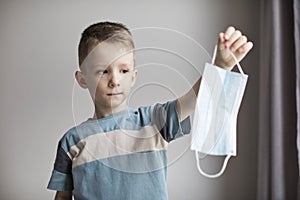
x=210, y=175
x=233, y=56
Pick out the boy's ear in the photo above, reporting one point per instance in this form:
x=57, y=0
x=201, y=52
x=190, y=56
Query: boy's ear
x=80, y=79
x=134, y=76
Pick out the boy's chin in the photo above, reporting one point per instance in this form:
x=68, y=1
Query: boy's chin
x=113, y=105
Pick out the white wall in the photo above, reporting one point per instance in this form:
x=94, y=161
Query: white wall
x=38, y=54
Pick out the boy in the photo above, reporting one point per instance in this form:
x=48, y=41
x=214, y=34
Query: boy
x=120, y=153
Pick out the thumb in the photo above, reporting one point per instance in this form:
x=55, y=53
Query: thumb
x=221, y=41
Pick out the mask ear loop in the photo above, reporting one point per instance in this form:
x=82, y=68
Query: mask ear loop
x=212, y=175
x=228, y=156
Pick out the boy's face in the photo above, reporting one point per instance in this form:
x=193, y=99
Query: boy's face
x=109, y=74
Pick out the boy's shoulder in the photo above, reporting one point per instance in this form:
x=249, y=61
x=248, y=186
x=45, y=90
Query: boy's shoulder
x=69, y=138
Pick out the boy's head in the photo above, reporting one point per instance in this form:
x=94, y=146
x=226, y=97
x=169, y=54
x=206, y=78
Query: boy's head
x=106, y=60
x=103, y=32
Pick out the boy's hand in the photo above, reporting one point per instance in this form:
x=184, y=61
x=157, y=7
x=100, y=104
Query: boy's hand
x=232, y=40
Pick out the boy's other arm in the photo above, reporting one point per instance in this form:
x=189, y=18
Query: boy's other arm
x=232, y=40
x=63, y=195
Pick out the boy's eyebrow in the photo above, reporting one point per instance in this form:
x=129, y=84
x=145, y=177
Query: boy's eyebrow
x=105, y=66
x=125, y=64
x=102, y=65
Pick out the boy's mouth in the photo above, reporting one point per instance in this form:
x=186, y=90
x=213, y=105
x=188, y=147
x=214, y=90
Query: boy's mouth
x=114, y=94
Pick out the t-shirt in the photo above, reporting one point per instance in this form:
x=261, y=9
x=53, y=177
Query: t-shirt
x=122, y=156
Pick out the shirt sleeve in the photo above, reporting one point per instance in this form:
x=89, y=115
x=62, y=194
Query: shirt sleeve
x=165, y=117
x=61, y=178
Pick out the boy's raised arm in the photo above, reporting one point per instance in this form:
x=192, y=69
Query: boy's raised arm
x=232, y=40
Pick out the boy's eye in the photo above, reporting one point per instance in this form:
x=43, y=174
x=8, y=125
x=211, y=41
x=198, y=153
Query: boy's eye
x=102, y=72
x=124, y=71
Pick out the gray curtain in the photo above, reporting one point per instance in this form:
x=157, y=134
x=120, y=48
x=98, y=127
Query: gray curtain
x=297, y=57
x=278, y=170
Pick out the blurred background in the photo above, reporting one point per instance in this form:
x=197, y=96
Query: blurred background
x=40, y=100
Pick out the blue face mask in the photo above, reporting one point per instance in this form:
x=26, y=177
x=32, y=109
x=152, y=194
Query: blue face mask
x=215, y=118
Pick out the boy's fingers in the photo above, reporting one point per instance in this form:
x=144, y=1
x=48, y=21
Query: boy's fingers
x=229, y=31
x=234, y=36
x=247, y=47
x=243, y=50
x=234, y=41
x=238, y=43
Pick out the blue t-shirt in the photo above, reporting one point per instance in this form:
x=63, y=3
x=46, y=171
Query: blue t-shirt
x=122, y=156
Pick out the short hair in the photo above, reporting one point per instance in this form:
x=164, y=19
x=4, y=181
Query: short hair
x=103, y=31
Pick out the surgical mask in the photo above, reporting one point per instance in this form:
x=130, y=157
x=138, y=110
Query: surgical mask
x=215, y=118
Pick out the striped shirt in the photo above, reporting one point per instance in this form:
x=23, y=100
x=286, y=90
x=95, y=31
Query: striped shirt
x=122, y=156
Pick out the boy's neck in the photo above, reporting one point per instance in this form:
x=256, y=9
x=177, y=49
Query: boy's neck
x=105, y=112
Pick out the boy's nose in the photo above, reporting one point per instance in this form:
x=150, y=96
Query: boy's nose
x=114, y=80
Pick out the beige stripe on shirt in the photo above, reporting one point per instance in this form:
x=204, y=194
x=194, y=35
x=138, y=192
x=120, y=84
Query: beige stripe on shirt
x=116, y=142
